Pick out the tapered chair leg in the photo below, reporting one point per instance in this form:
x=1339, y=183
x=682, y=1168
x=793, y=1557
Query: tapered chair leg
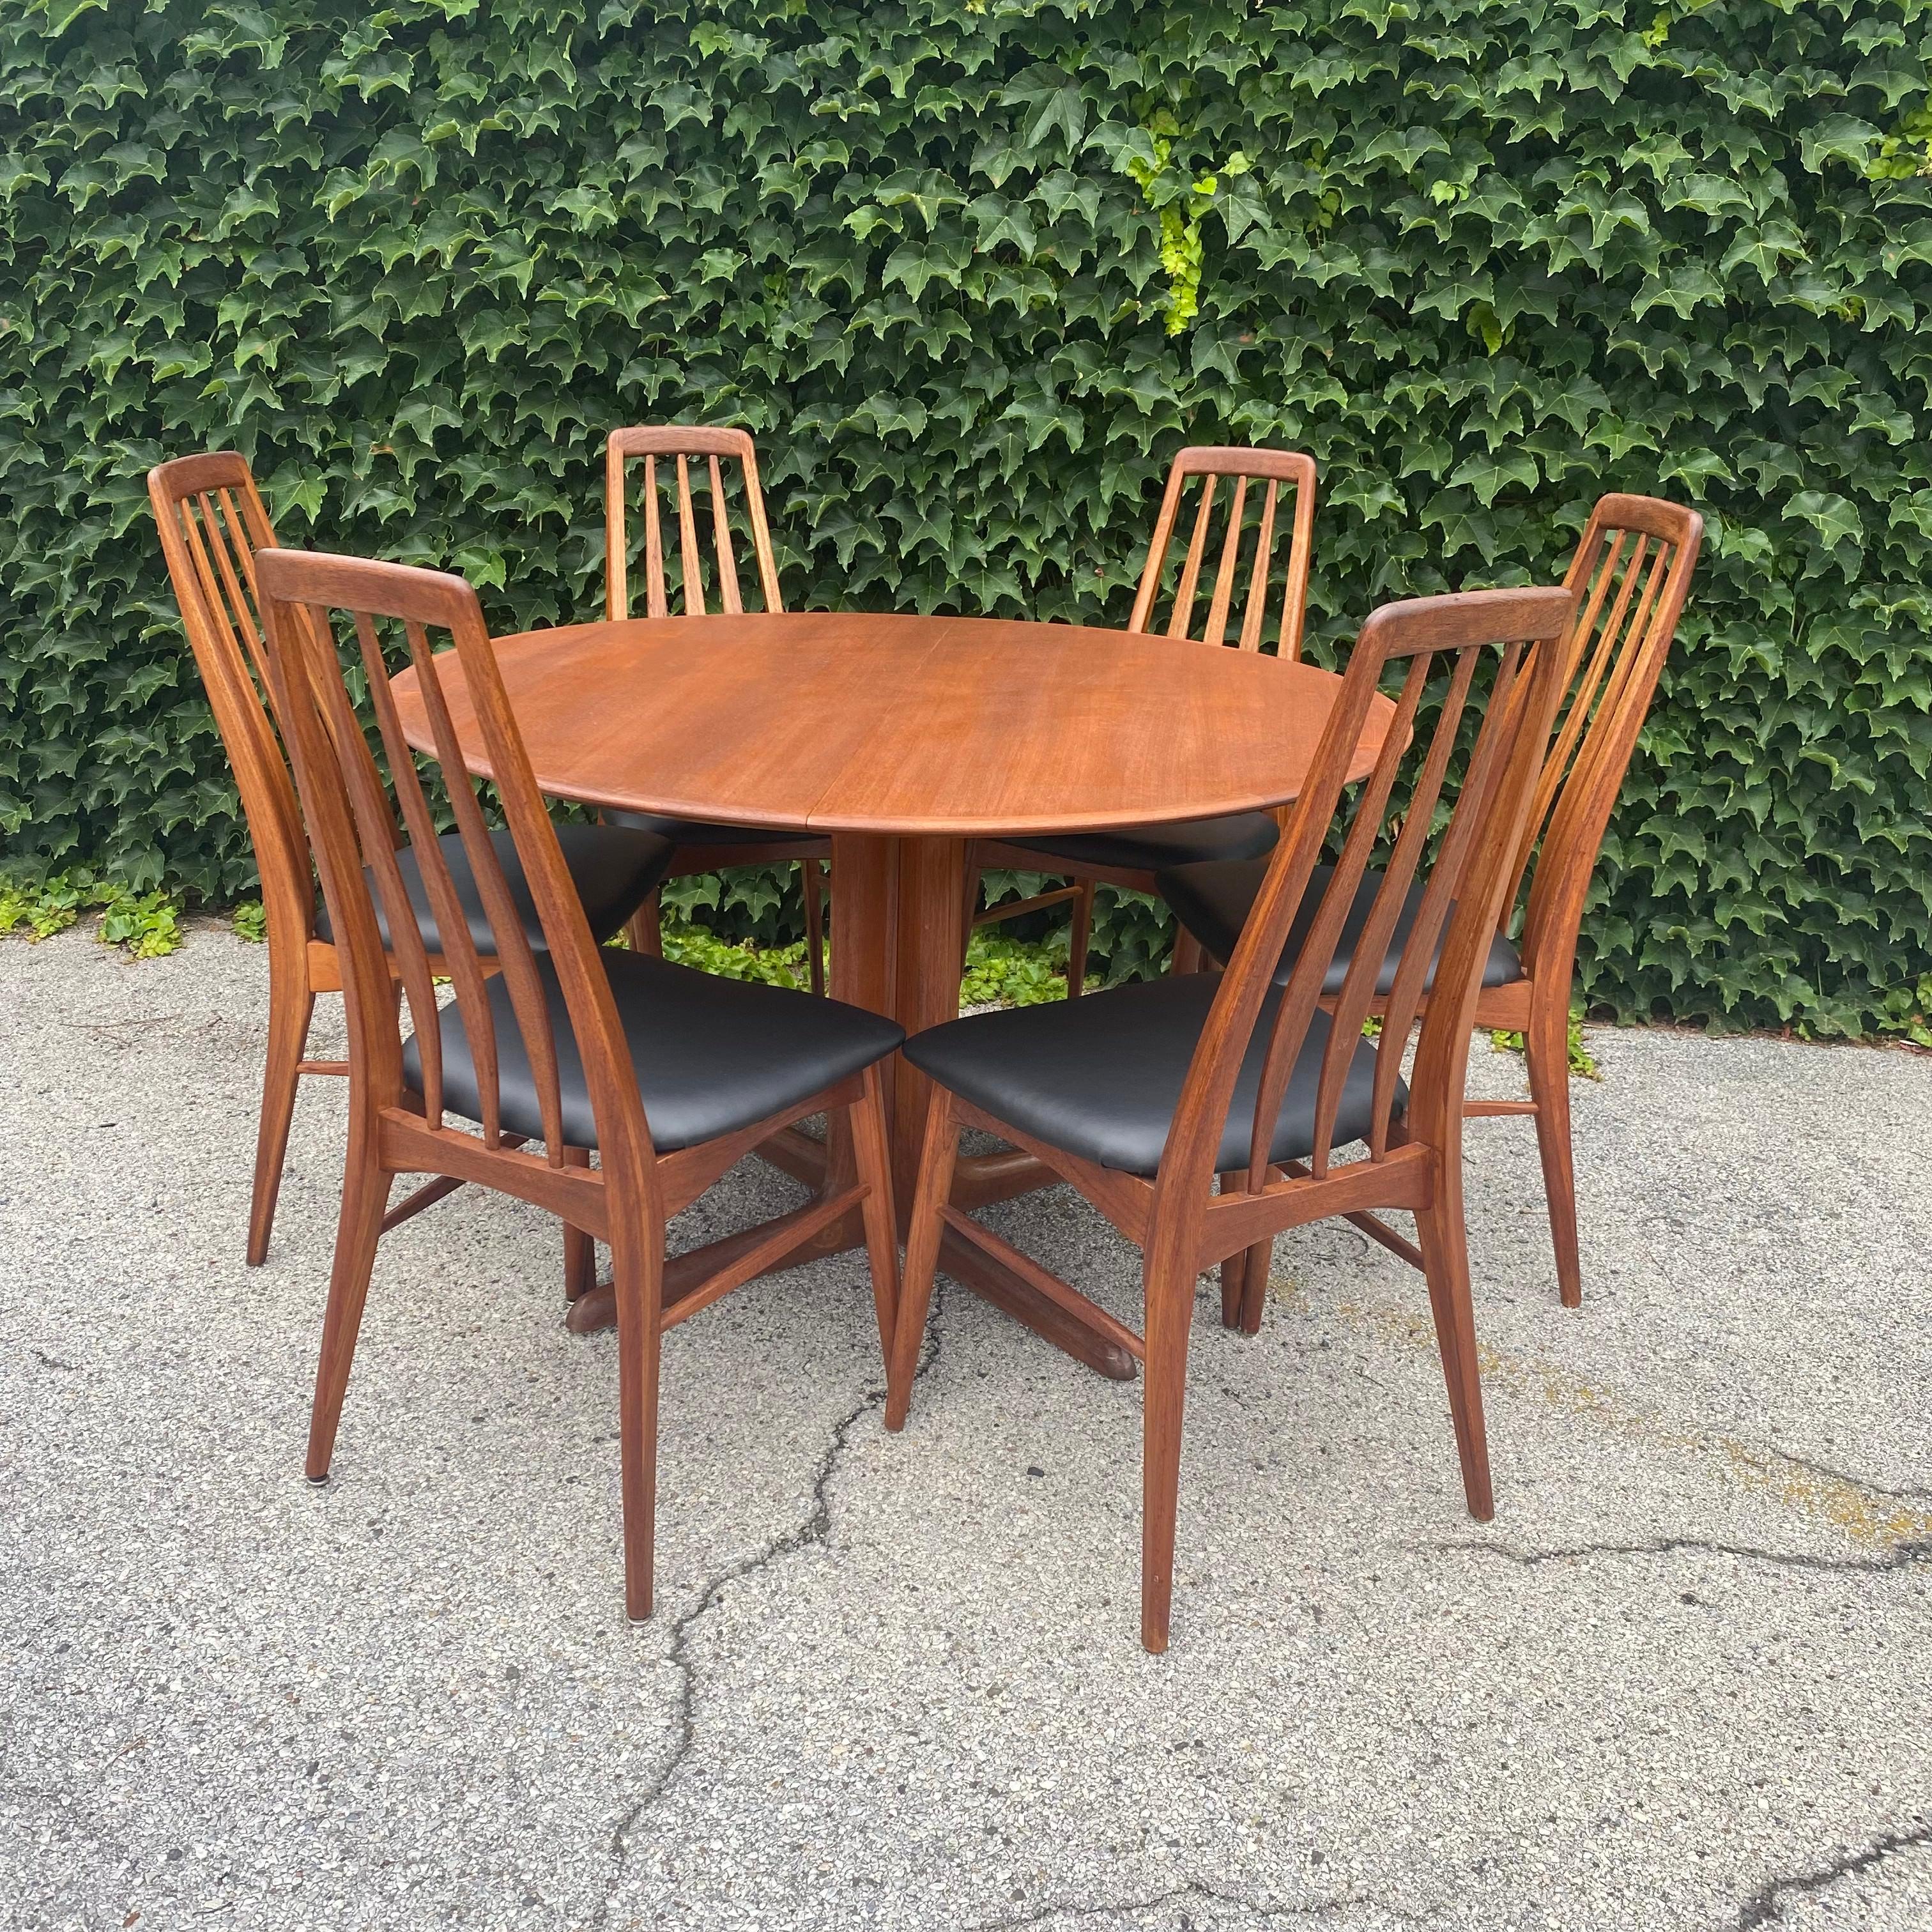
x=1444, y=1240
x=1169, y=1296
x=1189, y=955
x=874, y=1159
x=971, y=908
x=1255, y=1285
x=643, y=928
x=579, y=1250
x=365, y=1193
x=1234, y=1269
x=1077, y=941
x=291, y=1006
x=637, y=1275
x=1546, y=1055
x=937, y=1157
x=814, y=923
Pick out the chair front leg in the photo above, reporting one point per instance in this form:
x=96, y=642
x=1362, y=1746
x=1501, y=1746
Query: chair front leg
x=1169, y=1288
x=937, y=1155
x=636, y=1277
x=365, y=1194
x=1444, y=1239
x=873, y=1156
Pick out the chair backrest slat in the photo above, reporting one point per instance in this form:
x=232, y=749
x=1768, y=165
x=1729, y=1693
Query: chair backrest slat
x=681, y=442
x=1256, y=610
x=351, y=816
x=1190, y=574
x=1224, y=577
x=721, y=538
x=1276, y=467
x=1441, y=646
x=459, y=957
x=1632, y=571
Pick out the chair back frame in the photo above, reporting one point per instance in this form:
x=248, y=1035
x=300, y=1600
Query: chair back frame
x=682, y=441
x=1277, y=466
x=1631, y=574
x=212, y=522
x=1445, y=636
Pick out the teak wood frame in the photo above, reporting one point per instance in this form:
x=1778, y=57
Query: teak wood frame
x=627, y=1198
x=212, y=522
x=681, y=442
x=1413, y=1160
x=1276, y=468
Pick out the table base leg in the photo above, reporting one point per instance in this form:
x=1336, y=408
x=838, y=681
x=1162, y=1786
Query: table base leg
x=989, y=1279
x=898, y=926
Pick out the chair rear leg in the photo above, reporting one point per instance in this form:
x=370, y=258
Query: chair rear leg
x=1077, y=940
x=1234, y=1269
x=644, y=928
x=365, y=1193
x=1255, y=1285
x=1169, y=1296
x=579, y=1250
x=1546, y=1055
x=814, y=923
x=971, y=909
x=937, y=1155
x=1189, y=955
x=873, y=1156
x=291, y=1007
x=1444, y=1240
x=637, y=1275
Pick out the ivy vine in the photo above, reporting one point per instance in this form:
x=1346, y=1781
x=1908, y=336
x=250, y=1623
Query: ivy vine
x=1487, y=259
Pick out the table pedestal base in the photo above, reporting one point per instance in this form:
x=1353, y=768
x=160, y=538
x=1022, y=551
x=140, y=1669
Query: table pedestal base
x=899, y=913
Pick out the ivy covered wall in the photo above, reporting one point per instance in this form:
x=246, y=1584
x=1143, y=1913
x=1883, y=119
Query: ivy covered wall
x=971, y=270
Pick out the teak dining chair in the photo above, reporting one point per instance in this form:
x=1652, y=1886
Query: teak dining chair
x=669, y=1076
x=212, y=522
x=1239, y=594
x=1631, y=574
x=701, y=847
x=1140, y=1095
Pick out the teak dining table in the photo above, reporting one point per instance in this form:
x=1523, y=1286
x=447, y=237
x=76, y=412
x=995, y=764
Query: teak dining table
x=904, y=739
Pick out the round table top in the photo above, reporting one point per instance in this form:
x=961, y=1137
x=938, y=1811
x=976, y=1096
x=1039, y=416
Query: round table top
x=832, y=722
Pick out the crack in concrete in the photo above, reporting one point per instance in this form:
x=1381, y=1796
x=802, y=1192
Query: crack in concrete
x=1901, y=1556
x=1766, y=1906
x=815, y=1530
x=1845, y=1476
x=1193, y=1888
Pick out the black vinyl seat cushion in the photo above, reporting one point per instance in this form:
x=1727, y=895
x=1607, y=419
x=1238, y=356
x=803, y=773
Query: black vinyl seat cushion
x=1214, y=902
x=711, y=1055
x=700, y=832
x=1146, y=848
x=1101, y=1076
x=614, y=872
